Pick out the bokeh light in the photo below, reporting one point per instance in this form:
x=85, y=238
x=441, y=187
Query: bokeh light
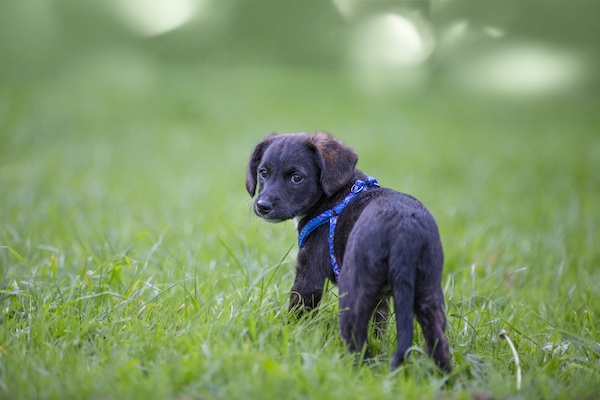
x=155, y=17
x=514, y=49
x=524, y=70
x=393, y=40
x=388, y=51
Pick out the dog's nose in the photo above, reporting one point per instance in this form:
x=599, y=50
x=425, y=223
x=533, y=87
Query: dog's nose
x=264, y=206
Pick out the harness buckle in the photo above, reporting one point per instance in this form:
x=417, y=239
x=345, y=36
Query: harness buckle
x=358, y=187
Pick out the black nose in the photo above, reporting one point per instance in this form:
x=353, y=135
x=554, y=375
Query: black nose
x=264, y=206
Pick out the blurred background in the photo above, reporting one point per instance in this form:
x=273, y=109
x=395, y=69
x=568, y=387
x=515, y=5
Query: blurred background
x=125, y=131
x=138, y=114
x=523, y=49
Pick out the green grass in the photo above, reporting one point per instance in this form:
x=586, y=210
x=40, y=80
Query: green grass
x=131, y=265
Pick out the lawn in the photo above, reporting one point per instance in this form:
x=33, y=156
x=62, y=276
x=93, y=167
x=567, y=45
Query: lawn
x=131, y=265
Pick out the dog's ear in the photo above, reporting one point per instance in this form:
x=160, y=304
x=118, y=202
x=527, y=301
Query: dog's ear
x=255, y=158
x=336, y=160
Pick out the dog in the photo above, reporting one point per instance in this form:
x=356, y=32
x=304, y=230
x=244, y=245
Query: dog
x=372, y=241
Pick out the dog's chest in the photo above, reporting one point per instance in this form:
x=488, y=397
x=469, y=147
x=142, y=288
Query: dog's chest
x=297, y=220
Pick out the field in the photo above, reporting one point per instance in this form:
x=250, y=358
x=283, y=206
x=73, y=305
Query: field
x=131, y=265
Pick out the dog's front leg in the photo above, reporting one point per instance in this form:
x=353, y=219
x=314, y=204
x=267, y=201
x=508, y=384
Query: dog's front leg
x=308, y=286
x=382, y=314
x=303, y=302
x=306, y=293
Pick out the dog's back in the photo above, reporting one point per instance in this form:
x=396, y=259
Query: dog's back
x=393, y=241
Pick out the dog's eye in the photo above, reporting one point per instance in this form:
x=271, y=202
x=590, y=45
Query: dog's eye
x=263, y=173
x=297, y=178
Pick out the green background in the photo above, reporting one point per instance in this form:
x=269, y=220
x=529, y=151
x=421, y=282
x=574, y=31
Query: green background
x=132, y=266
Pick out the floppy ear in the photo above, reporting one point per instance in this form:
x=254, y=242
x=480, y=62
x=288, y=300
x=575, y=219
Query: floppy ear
x=336, y=160
x=255, y=158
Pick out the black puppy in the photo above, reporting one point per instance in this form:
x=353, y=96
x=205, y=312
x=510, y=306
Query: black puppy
x=370, y=240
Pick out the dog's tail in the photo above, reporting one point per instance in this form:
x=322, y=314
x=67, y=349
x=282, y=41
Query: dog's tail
x=402, y=276
x=415, y=274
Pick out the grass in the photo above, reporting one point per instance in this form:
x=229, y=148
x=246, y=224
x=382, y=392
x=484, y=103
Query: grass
x=131, y=265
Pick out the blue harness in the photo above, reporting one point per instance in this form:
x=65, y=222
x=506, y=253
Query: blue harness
x=331, y=217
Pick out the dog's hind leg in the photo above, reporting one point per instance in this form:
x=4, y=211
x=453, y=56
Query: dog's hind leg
x=356, y=309
x=431, y=317
x=429, y=305
x=360, y=294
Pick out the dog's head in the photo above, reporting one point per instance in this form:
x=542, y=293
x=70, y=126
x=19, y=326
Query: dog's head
x=294, y=171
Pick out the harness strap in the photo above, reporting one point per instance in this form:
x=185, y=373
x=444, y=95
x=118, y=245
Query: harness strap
x=331, y=217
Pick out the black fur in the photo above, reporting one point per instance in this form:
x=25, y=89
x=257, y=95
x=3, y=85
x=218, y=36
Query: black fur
x=386, y=242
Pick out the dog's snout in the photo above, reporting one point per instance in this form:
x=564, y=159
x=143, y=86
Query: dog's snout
x=264, y=206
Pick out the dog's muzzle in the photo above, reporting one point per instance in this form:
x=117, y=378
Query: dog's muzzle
x=263, y=207
x=268, y=210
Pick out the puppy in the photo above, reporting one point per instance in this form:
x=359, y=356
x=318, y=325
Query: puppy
x=373, y=242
